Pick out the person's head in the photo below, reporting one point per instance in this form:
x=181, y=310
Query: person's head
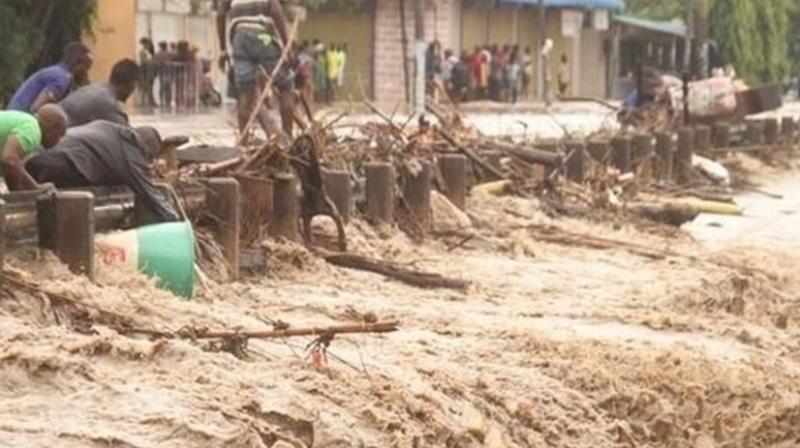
x=477, y=49
x=315, y=42
x=150, y=141
x=464, y=56
x=506, y=48
x=564, y=58
x=162, y=46
x=147, y=44
x=53, y=124
x=173, y=46
x=78, y=58
x=527, y=50
x=124, y=76
x=448, y=53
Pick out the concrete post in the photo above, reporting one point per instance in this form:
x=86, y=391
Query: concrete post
x=665, y=154
x=339, y=189
x=576, y=163
x=66, y=226
x=224, y=203
x=788, y=129
x=754, y=132
x=722, y=135
x=417, y=193
x=380, y=192
x=771, y=131
x=643, y=149
x=683, y=156
x=285, y=210
x=702, y=138
x=256, y=203
x=454, y=174
x=621, y=154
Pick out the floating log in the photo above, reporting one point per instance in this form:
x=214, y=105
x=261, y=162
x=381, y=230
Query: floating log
x=391, y=270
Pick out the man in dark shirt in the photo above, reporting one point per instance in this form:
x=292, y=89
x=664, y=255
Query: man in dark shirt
x=103, y=101
x=105, y=154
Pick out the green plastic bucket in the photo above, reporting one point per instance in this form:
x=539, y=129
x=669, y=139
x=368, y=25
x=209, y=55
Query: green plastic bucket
x=164, y=251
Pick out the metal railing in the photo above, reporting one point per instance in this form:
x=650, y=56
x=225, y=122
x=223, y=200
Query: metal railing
x=177, y=86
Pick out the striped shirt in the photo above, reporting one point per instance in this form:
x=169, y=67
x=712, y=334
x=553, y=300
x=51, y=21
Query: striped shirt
x=252, y=14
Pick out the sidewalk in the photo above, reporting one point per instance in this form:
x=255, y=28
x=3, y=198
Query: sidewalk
x=524, y=120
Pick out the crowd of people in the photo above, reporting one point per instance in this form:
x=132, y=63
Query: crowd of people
x=184, y=79
x=59, y=133
x=320, y=70
x=491, y=72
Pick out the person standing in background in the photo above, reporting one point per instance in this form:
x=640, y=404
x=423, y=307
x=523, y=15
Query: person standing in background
x=332, y=72
x=320, y=78
x=163, y=61
x=514, y=76
x=305, y=73
x=527, y=73
x=51, y=84
x=563, y=75
x=342, y=64
x=147, y=53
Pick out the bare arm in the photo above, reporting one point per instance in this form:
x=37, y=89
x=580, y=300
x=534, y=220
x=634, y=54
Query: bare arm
x=17, y=178
x=276, y=10
x=45, y=97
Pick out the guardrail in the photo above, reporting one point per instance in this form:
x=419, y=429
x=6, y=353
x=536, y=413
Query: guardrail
x=66, y=221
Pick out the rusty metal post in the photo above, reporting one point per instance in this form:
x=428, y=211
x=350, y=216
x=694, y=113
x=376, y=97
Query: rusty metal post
x=722, y=135
x=665, y=155
x=224, y=204
x=285, y=210
x=339, y=189
x=576, y=163
x=754, y=132
x=621, y=157
x=417, y=193
x=683, y=156
x=66, y=226
x=643, y=149
x=454, y=174
x=788, y=129
x=702, y=138
x=380, y=192
x=771, y=131
x=599, y=151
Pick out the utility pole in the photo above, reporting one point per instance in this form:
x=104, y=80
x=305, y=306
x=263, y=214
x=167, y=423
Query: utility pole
x=419, y=33
x=542, y=54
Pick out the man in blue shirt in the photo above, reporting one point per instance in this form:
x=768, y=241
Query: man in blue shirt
x=51, y=84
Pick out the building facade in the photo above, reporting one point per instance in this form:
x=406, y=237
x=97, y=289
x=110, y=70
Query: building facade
x=381, y=56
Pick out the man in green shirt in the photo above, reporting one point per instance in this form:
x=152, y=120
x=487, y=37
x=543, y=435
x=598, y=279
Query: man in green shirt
x=23, y=135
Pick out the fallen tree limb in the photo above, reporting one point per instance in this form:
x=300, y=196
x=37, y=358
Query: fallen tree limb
x=471, y=154
x=534, y=156
x=408, y=276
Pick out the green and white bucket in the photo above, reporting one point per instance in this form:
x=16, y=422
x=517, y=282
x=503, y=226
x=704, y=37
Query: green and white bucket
x=164, y=251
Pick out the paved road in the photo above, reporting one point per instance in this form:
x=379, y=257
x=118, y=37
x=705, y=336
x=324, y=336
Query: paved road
x=767, y=222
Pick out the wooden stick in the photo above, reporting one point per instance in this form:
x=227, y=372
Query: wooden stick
x=380, y=327
x=469, y=153
x=268, y=88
